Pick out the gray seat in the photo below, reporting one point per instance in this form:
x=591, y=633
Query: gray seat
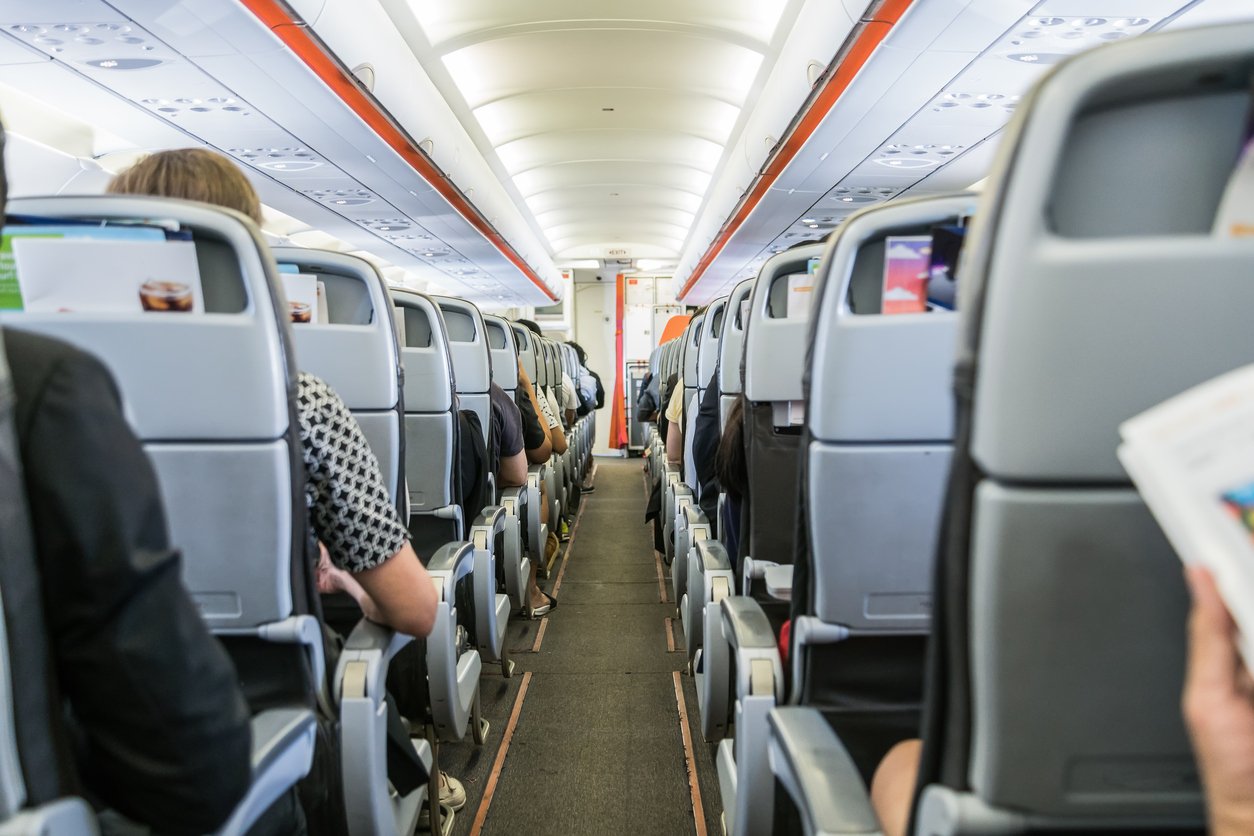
x=731, y=348
x=357, y=352
x=472, y=379
x=513, y=499
x=1058, y=630
x=537, y=474
x=20, y=813
x=472, y=359
x=435, y=517
x=878, y=433
x=774, y=352
x=210, y=398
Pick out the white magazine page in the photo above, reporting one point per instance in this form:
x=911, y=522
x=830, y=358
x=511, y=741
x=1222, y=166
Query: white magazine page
x=1192, y=459
x=81, y=275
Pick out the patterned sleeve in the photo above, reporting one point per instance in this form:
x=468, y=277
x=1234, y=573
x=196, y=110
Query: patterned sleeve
x=349, y=504
x=546, y=406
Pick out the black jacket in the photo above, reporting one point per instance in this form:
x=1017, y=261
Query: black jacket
x=159, y=727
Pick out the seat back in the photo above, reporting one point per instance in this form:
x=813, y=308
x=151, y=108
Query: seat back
x=356, y=351
x=1082, y=302
x=524, y=342
x=774, y=357
x=731, y=348
x=430, y=422
x=879, y=427
x=472, y=359
x=707, y=348
x=209, y=396
x=504, y=352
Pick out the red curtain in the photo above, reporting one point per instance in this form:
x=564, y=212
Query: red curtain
x=618, y=416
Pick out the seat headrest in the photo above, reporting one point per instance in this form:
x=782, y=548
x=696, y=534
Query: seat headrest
x=426, y=357
x=774, y=341
x=224, y=370
x=880, y=377
x=504, y=352
x=690, y=346
x=356, y=351
x=732, y=343
x=711, y=334
x=1087, y=297
x=468, y=344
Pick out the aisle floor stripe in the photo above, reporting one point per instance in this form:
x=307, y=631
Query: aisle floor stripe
x=670, y=636
x=570, y=544
x=489, y=789
x=661, y=576
x=690, y=761
x=544, y=623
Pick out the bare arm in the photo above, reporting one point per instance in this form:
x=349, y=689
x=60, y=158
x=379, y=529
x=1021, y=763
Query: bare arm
x=403, y=593
x=541, y=454
x=675, y=443
x=513, y=470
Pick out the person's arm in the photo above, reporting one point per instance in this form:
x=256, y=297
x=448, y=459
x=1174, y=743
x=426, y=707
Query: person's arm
x=513, y=470
x=354, y=515
x=675, y=428
x=1218, y=705
x=540, y=454
x=403, y=592
x=165, y=736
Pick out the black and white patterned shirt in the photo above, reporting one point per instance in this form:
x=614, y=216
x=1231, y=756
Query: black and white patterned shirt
x=348, y=502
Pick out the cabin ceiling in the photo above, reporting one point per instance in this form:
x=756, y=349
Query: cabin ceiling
x=607, y=132
x=609, y=118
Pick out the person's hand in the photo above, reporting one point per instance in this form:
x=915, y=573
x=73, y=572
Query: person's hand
x=1219, y=709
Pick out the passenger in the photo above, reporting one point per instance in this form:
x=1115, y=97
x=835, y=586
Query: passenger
x=591, y=397
x=537, y=433
x=159, y=727
x=349, y=506
x=705, y=443
x=1218, y=705
x=506, y=455
x=732, y=473
x=350, y=510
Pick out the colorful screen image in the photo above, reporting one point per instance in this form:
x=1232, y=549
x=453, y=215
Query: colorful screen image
x=907, y=265
x=1239, y=502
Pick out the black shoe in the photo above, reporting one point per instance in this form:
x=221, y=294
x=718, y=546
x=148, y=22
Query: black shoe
x=589, y=489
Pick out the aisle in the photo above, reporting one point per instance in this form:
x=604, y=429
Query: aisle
x=597, y=746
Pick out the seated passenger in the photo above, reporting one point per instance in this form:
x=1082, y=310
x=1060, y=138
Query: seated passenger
x=538, y=434
x=350, y=510
x=732, y=474
x=158, y=728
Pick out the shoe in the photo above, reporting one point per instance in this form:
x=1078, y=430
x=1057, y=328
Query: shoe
x=589, y=489
x=564, y=536
x=543, y=609
x=551, y=547
x=452, y=793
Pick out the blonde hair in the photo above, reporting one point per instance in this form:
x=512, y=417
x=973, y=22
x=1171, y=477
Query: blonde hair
x=191, y=174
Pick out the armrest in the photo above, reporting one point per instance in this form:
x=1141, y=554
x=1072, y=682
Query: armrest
x=712, y=556
x=491, y=522
x=283, y=747
x=451, y=563
x=372, y=646
x=513, y=500
x=813, y=766
x=63, y=817
x=745, y=625
x=694, y=516
x=779, y=581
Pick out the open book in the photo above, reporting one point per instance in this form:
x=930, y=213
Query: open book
x=1192, y=459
